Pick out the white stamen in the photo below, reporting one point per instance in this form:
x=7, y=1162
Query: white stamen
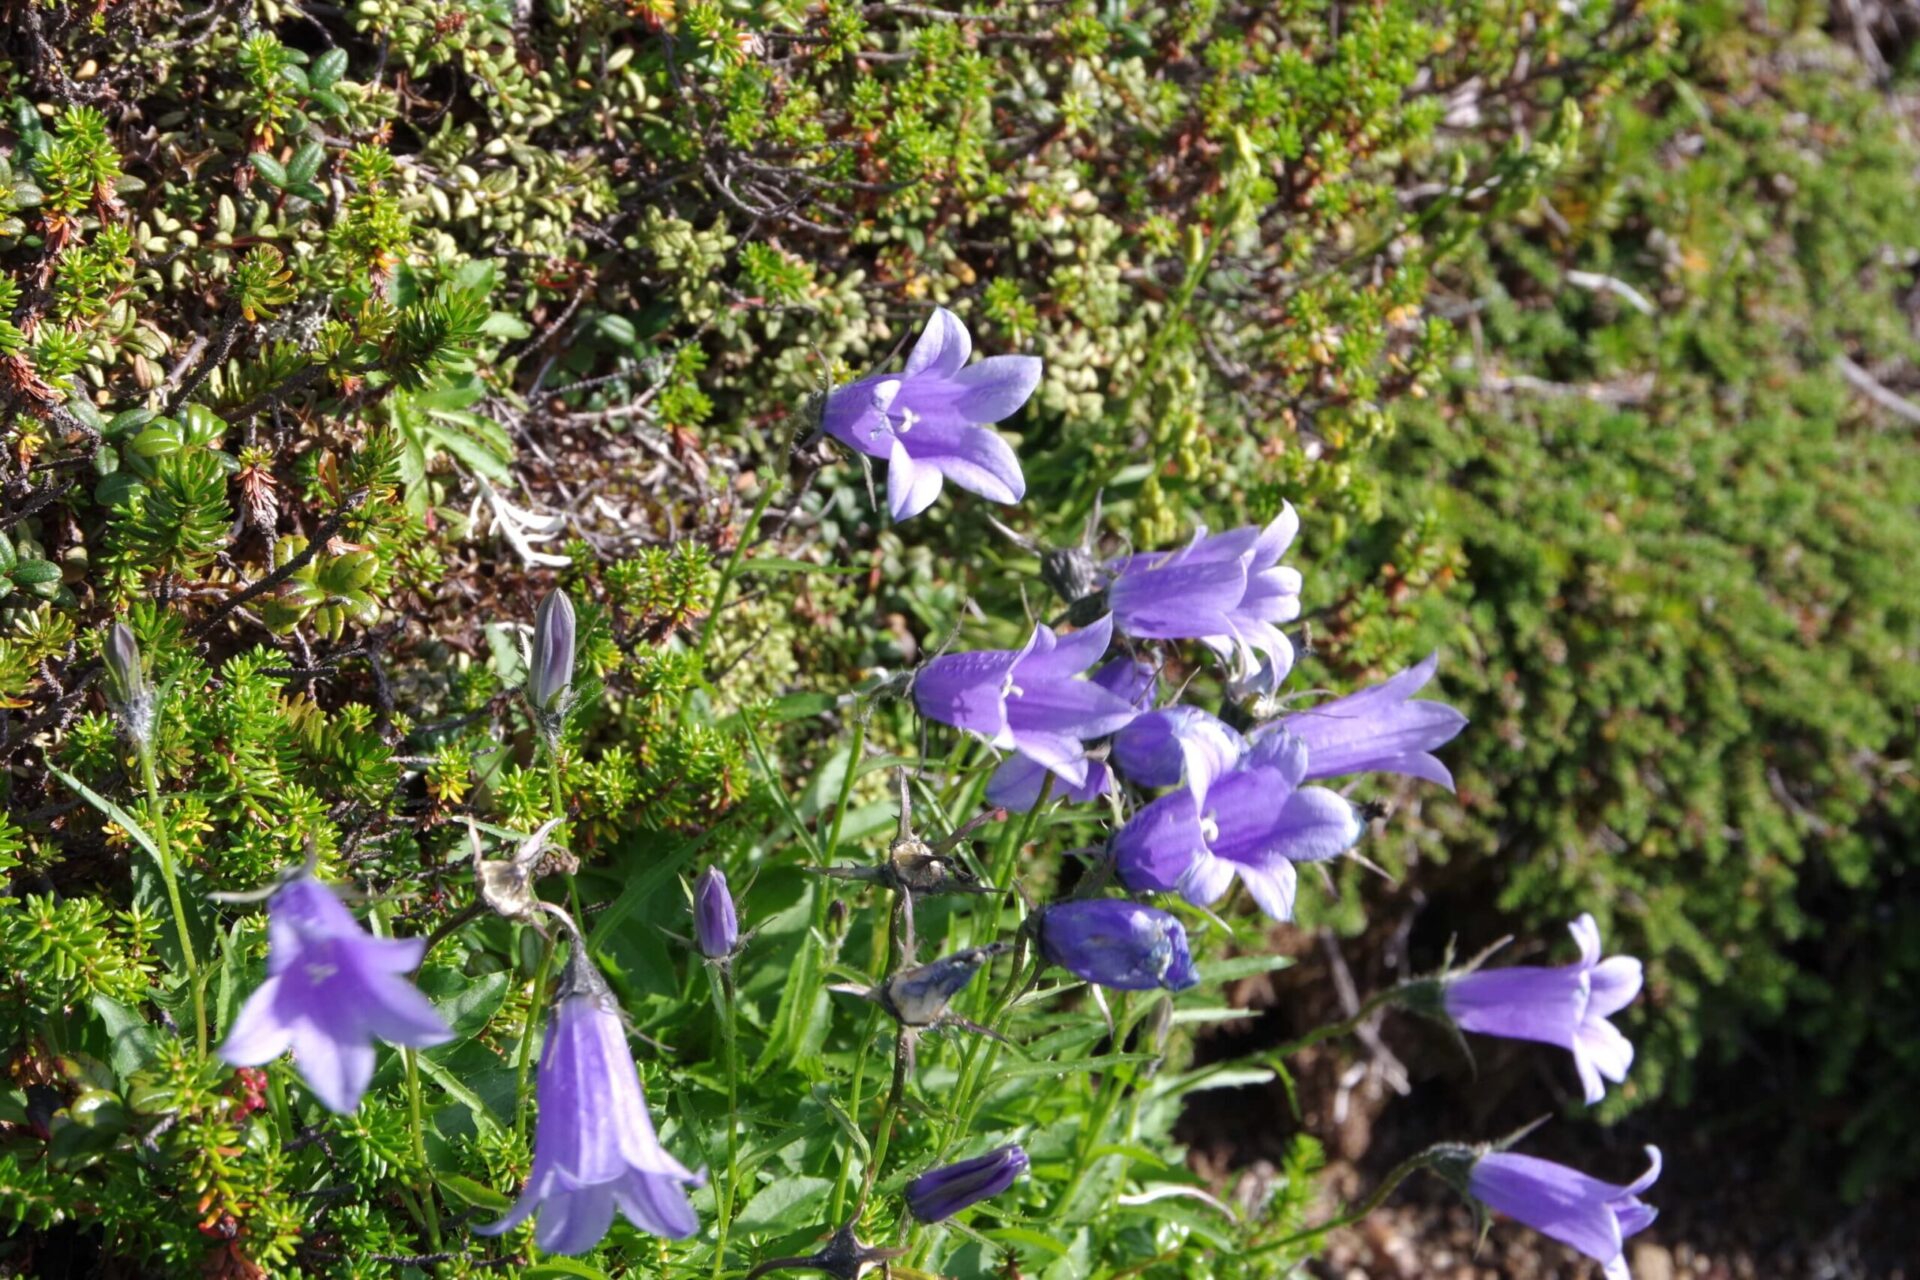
x=907, y=418
x=1209, y=829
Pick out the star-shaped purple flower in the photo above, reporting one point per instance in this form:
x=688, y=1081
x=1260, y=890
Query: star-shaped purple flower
x=594, y=1147
x=929, y=420
x=1228, y=591
x=1566, y=1006
x=1594, y=1217
x=1255, y=823
x=1031, y=700
x=332, y=988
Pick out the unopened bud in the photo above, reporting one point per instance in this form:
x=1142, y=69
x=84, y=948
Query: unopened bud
x=551, y=673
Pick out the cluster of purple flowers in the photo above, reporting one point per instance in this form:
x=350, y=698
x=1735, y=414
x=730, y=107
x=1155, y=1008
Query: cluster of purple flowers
x=1203, y=804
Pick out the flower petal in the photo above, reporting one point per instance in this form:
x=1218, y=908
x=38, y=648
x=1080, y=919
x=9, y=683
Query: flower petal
x=337, y=1068
x=656, y=1203
x=258, y=1033
x=1616, y=981
x=396, y=1012
x=1155, y=848
x=1552, y=1199
x=912, y=485
x=978, y=459
x=997, y=387
x=943, y=348
x=573, y=1221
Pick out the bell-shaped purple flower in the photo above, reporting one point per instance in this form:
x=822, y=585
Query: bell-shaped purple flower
x=938, y=1194
x=1228, y=591
x=1382, y=729
x=1566, y=1006
x=1030, y=700
x=1114, y=942
x=594, y=1148
x=332, y=988
x=1018, y=782
x=929, y=420
x=1177, y=746
x=1255, y=823
x=716, y=925
x=1592, y=1216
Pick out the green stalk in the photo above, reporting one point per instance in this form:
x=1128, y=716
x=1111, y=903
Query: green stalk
x=526, y=1039
x=1406, y=1169
x=418, y=1126
x=721, y=980
x=157, y=821
x=720, y=589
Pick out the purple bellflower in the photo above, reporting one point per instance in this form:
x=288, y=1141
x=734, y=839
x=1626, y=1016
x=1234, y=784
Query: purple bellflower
x=1177, y=746
x=1113, y=942
x=331, y=989
x=1566, y=1006
x=938, y=1194
x=1227, y=590
x=929, y=420
x=716, y=925
x=1382, y=729
x=594, y=1147
x=1592, y=1216
x=1255, y=823
x=1029, y=700
x=1017, y=783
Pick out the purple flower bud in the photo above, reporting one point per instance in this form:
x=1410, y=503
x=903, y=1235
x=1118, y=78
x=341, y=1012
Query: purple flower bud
x=1378, y=730
x=1030, y=700
x=551, y=673
x=332, y=988
x=928, y=421
x=716, y=926
x=1227, y=591
x=121, y=652
x=1567, y=1006
x=1254, y=824
x=938, y=1194
x=1117, y=943
x=1592, y=1216
x=594, y=1148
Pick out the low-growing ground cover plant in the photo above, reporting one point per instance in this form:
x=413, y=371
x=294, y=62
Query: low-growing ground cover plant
x=527, y=554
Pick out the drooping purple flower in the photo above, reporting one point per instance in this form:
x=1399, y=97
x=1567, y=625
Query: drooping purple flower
x=1594, y=1217
x=332, y=988
x=1030, y=700
x=594, y=1147
x=1018, y=782
x=938, y=1194
x=1566, y=1006
x=1228, y=591
x=1382, y=729
x=1116, y=943
x=1256, y=822
x=1177, y=745
x=929, y=420
x=716, y=925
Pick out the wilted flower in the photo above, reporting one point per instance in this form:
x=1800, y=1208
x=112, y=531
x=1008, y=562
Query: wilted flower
x=1379, y=730
x=716, y=925
x=1017, y=783
x=1255, y=823
x=1227, y=591
x=594, y=1147
x=928, y=421
x=331, y=989
x=917, y=997
x=1177, y=745
x=938, y=1194
x=1594, y=1217
x=1566, y=1006
x=132, y=696
x=550, y=672
x=1117, y=943
x=1030, y=700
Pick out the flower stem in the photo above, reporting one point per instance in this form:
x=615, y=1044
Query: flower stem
x=1401, y=1172
x=418, y=1127
x=526, y=1038
x=157, y=820
x=721, y=979
x=767, y=491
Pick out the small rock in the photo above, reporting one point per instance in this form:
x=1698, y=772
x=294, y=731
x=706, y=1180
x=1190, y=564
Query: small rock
x=1652, y=1262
